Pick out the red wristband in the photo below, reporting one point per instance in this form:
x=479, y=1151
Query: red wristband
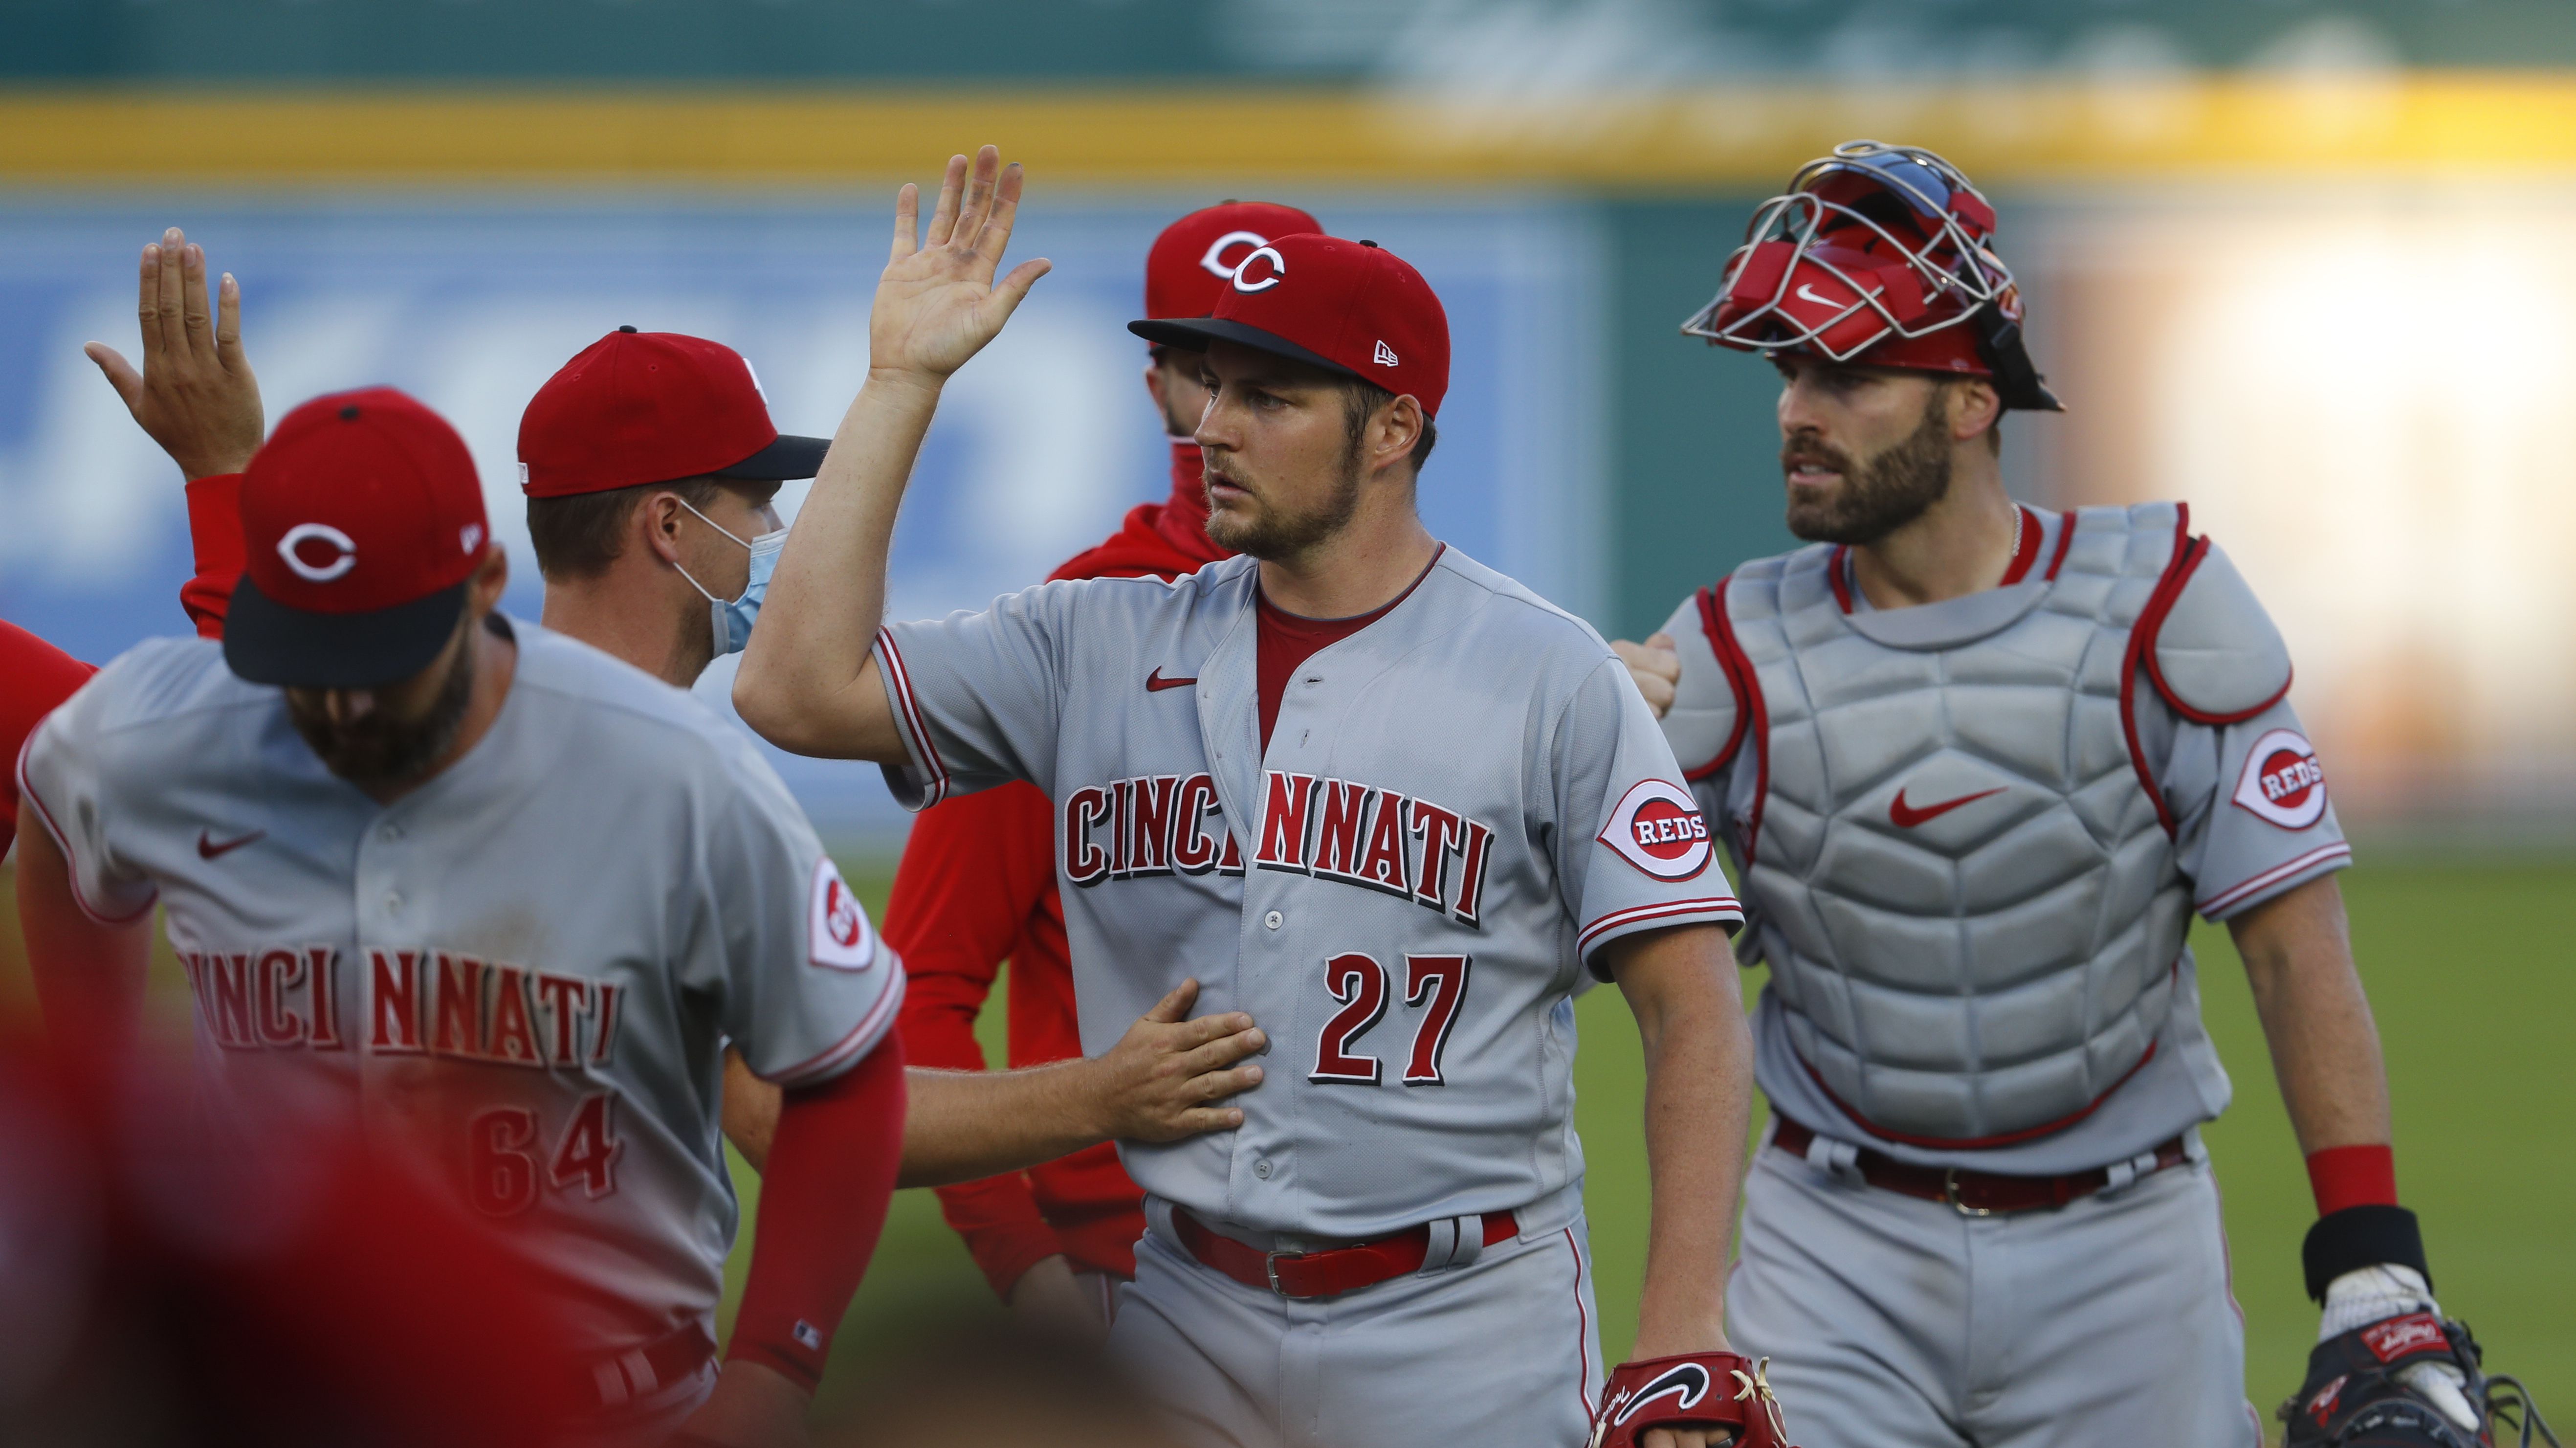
x=2352, y=1176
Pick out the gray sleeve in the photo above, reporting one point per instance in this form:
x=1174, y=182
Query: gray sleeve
x=2251, y=815
x=807, y=988
x=63, y=790
x=978, y=696
x=1703, y=724
x=1633, y=851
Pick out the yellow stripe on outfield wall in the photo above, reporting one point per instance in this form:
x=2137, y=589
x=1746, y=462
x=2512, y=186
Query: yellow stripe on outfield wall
x=1748, y=136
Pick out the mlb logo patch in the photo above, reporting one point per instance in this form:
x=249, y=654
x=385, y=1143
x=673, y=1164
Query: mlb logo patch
x=808, y=1335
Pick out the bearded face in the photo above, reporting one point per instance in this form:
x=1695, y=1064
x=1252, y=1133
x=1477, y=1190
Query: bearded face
x=390, y=736
x=1835, y=497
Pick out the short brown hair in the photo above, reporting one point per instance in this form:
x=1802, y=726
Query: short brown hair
x=580, y=535
x=1363, y=398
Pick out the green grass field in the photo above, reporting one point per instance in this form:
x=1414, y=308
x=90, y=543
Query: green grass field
x=2475, y=993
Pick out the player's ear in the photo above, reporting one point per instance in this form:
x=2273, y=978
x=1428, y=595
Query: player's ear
x=1975, y=406
x=1397, y=427
x=491, y=579
x=656, y=526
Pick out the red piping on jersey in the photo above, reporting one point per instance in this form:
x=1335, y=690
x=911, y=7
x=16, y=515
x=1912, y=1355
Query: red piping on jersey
x=1710, y=626
x=862, y=1037
x=1976, y=1143
x=2322, y=854
x=2065, y=536
x=1724, y=907
x=2152, y=622
x=1834, y=567
x=63, y=843
x=2025, y=547
x=2177, y=567
x=936, y=775
x=1753, y=721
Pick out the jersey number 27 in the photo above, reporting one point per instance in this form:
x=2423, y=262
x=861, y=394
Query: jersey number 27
x=1436, y=983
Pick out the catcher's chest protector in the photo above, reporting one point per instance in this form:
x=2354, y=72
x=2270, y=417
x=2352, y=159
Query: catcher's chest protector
x=1970, y=905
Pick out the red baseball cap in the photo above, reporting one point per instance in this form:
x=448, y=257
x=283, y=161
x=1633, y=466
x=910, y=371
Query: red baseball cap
x=654, y=407
x=1196, y=256
x=1346, y=306
x=362, y=520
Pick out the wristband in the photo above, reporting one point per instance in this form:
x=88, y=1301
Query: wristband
x=2358, y=1237
x=2352, y=1176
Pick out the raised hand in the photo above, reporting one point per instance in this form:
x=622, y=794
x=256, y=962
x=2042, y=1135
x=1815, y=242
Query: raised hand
x=936, y=303
x=195, y=396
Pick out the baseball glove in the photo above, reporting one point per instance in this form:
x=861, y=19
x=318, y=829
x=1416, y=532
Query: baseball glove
x=2355, y=1396
x=1693, y=1390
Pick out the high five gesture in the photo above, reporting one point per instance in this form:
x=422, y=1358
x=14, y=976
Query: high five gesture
x=937, y=304
x=807, y=682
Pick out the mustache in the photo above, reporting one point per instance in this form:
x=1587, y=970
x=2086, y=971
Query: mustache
x=1808, y=449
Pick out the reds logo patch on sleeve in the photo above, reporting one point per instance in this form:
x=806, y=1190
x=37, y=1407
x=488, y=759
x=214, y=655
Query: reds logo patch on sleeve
x=836, y=925
x=1657, y=827
x=2282, y=781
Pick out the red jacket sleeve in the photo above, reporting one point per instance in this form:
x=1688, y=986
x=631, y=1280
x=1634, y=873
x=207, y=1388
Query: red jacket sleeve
x=974, y=871
x=823, y=1197
x=214, y=527
x=35, y=677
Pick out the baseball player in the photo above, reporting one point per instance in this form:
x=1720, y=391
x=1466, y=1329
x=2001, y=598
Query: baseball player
x=1380, y=795
x=1978, y=763
x=977, y=883
x=491, y=896
x=649, y=461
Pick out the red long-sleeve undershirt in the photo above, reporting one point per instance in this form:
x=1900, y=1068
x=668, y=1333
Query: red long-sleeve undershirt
x=823, y=1196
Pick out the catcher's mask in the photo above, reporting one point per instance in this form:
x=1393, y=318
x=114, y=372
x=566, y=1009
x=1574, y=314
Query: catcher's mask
x=1884, y=250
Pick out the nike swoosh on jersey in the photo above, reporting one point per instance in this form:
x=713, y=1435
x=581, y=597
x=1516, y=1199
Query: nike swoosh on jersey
x=1905, y=816
x=1155, y=682
x=207, y=849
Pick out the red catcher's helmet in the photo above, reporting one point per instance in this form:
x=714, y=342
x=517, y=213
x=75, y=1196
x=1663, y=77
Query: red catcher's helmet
x=1884, y=250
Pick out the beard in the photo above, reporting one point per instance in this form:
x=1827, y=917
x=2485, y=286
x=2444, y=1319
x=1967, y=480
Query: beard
x=1263, y=530
x=1880, y=496
x=378, y=749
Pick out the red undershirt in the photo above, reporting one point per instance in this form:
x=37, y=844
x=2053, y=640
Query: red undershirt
x=1287, y=640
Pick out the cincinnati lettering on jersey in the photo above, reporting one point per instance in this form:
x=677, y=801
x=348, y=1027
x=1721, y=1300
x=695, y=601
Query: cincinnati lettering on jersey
x=1337, y=829
x=419, y=1002
x=1153, y=824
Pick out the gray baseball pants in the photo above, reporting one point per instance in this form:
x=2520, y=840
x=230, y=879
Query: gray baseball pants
x=1896, y=1322
x=1504, y=1350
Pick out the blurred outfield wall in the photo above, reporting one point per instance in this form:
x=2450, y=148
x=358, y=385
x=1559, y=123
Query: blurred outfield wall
x=2315, y=302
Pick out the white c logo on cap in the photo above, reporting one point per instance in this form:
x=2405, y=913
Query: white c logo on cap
x=1278, y=269
x=1214, y=261
x=303, y=533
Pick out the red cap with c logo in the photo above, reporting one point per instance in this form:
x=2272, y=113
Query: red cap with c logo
x=1196, y=256
x=1346, y=306
x=362, y=520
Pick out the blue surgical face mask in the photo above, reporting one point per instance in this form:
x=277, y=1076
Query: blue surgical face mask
x=732, y=619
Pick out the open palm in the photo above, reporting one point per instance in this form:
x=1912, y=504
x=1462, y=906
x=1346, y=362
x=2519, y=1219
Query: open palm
x=937, y=303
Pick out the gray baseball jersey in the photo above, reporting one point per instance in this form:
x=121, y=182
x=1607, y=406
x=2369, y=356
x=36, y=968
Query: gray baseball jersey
x=526, y=968
x=1460, y=803
x=1973, y=833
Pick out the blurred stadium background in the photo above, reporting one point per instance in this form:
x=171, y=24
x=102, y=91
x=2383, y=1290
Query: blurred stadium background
x=2299, y=263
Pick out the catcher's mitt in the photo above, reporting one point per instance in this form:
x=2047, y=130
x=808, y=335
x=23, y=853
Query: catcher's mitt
x=1692, y=1390
x=2355, y=1396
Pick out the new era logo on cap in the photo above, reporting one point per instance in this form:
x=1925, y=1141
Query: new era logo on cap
x=1385, y=355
